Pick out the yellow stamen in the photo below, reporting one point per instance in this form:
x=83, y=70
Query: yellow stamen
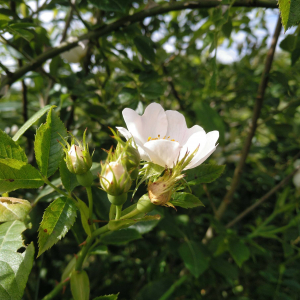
x=159, y=136
x=173, y=140
x=149, y=138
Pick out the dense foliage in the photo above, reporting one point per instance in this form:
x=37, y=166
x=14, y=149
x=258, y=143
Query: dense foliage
x=171, y=53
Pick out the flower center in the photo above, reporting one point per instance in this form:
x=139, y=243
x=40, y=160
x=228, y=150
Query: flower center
x=158, y=138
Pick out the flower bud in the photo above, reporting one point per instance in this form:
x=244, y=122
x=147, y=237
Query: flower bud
x=115, y=179
x=159, y=192
x=78, y=158
x=131, y=157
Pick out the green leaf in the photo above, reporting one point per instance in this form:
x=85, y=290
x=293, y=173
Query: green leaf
x=25, y=34
x=194, y=257
x=13, y=209
x=68, y=179
x=31, y=121
x=111, y=5
x=239, y=251
x=80, y=285
x=226, y=269
x=209, y=119
x=288, y=43
x=120, y=237
x=296, y=52
x=10, y=149
x=185, y=200
x=15, y=174
x=227, y=28
x=84, y=214
x=108, y=297
x=145, y=47
x=15, y=267
x=204, y=174
x=58, y=218
x=152, y=90
x=127, y=95
x=290, y=12
x=48, y=151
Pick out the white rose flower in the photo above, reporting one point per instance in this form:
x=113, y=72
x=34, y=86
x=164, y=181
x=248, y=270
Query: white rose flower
x=162, y=137
x=75, y=54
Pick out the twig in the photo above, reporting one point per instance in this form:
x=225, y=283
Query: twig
x=79, y=16
x=67, y=25
x=129, y=20
x=172, y=86
x=282, y=183
x=256, y=113
x=39, y=9
x=5, y=69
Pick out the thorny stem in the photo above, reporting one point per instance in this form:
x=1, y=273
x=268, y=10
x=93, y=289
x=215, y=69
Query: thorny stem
x=262, y=199
x=90, y=198
x=56, y=290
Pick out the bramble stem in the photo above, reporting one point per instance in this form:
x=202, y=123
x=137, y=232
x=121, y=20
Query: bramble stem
x=56, y=290
x=90, y=198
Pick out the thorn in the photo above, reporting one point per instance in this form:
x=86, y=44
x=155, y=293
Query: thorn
x=67, y=279
x=63, y=290
x=56, y=282
x=76, y=255
x=82, y=244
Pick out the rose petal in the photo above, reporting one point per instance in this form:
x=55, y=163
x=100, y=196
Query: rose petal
x=210, y=146
x=198, y=139
x=177, y=128
x=163, y=152
x=151, y=124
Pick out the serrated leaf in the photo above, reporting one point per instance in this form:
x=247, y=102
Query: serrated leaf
x=48, y=151
x=290, y=12
x=84, y=214
x=239, y=251
x=15, y=174
x=58, y=218
x=194, y=257
x=14, y=266
x=122, y=236
x=107, y=297
x=185, y=200
x=80, y=285
x=31, y=121
x=68, y=179
x=10, y=149
x=204, y=174
x=145, y=47
x=13, y=209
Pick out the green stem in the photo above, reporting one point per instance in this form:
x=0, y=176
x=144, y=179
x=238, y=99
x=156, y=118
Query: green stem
x=90, y=197
x=118, y=211
x=89, y=242
x=56, y=290
x=112, y=212
x=132, y=214
x=56, y=188
x=171, y=290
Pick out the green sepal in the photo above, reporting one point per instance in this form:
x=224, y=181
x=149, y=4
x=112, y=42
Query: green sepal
x=117, y=200
x=85, y=179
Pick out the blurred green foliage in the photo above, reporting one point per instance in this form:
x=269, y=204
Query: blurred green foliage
x=257, y=258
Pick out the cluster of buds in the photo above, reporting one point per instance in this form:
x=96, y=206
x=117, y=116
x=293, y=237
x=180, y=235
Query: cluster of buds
x=118, y=170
